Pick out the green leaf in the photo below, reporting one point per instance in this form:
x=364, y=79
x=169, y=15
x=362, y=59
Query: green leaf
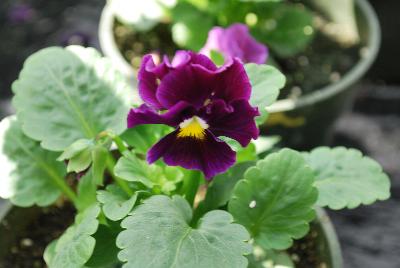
x=141, y=138
x=105, y=253
x=63, y=95
x=266, y=82
x=220, y=190
x=158, y=234
x=29, y=175
x=190, y=26
x=99, y=158
x=266, y=143
x=245, y=154
x=286, y=28
x=260, y=0
x=275, y=200
x=346, y=178
x=116, y=203
x=75, y=149
x=50, y=251
x=86, y=191
x=76, y=245
x=217, y=57
x=80, y=162
x=131, y=168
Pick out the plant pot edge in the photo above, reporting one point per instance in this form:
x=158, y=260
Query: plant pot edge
x=110, y=49
x=334, y=249
x=5, y=207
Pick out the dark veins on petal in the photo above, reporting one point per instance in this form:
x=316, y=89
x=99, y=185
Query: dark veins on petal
x=211, y=155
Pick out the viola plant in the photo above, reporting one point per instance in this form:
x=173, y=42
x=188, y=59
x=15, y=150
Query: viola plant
x=177, y=178
x=202, y=102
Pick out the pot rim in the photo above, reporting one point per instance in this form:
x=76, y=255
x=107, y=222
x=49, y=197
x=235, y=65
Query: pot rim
x=109, y=48
x=334, y=249
x=5, y=207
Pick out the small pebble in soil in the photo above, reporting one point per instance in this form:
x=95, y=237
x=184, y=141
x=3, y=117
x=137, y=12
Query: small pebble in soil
x=295, y=257
x=295, y=92
x=26, y=242
x=303, y=61
x=335, y=77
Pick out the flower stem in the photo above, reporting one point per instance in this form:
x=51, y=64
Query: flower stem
x=63, y=186
x=68, y=192
x=190, y=185
x=120, y=144
x=121, y=183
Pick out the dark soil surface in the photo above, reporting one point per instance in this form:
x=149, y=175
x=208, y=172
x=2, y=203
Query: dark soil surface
x=369, y=235
x=304, y=252
x=41, y=227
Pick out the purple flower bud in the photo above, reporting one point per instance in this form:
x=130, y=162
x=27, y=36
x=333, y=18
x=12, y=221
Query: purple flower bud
x=202, y=102
x=235, y=42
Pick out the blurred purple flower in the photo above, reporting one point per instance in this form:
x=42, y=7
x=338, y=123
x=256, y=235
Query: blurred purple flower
x=202, y=102
x=235, y=41
x=20, y=13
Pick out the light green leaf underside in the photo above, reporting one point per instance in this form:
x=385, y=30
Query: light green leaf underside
x=86, y=191
x=74, y=248
x=158, y=235
x=275, y=200
x=266, y=81
x=131, y=168
x=63, y=95
x=346, y=178
x=28, y=173
x=116, y=203
x=142, y=137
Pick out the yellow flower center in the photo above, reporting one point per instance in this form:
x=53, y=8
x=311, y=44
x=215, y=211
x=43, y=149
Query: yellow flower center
x=193, y=127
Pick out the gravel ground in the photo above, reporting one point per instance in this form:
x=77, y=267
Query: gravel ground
x=369, y=235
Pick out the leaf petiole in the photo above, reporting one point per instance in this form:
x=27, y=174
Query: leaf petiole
x=121, y=183
x=191, y=182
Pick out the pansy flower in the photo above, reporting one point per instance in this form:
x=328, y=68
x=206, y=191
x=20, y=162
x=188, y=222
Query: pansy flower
x=235, y=42
x=202, y=102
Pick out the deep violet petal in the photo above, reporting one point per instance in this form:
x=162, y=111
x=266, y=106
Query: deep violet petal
x=211, y=155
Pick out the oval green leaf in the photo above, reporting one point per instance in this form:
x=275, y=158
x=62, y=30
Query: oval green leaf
x=74, y=248
x=116, y=203
x=275, y=200
x=346, y=178
x=63, y=95
x=29, y=175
